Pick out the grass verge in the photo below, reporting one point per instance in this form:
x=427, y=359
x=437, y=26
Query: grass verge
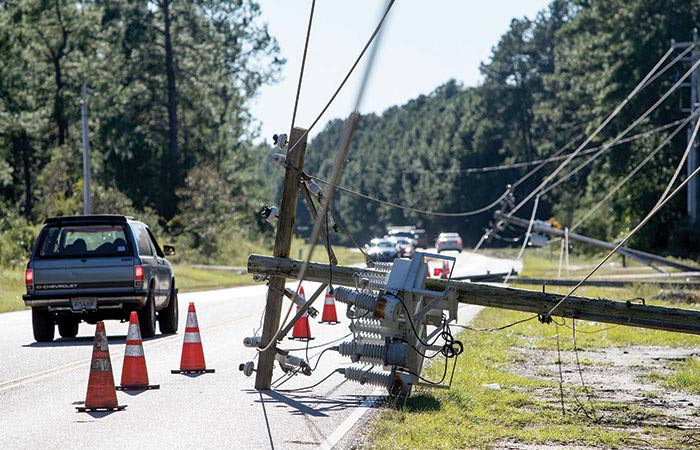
x=472, y=414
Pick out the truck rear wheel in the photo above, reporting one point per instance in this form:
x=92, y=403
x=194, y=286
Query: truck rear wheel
x=147, y=317
x=43, y=325
x=168, y=317
x=68, y=327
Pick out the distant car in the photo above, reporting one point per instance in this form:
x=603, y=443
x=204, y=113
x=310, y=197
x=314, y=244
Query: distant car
x=406, y=246
x=418, y=235
x=92, y=268
x=382, y=250
x=448, y=241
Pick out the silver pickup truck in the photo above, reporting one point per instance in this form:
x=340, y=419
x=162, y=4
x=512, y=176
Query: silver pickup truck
x=92, y=268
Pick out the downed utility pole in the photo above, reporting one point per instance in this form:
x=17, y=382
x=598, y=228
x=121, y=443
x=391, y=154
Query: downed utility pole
x=598, y=310
x=645, y=258
x=283, y=243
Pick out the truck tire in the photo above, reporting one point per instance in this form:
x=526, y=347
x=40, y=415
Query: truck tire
x=168, y=318
x=147, y=317
x=43, y=325
x=68, y=327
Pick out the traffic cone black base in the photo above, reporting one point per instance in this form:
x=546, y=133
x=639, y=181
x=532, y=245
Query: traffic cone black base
x=193, y=371
x=101, y=409
x=141, y=387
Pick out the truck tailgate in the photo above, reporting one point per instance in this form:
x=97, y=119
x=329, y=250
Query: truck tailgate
x=64, y=275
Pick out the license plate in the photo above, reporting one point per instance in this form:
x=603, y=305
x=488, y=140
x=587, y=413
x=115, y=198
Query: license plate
x=83, y=304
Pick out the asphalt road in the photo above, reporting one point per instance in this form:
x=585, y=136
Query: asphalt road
x=40, y=384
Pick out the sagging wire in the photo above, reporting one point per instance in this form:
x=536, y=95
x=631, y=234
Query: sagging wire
x=634, y=171
x=605, y=122
x=644, y=221
x=341, y=157
x=312, y=386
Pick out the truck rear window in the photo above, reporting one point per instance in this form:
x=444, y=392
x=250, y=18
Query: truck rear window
x=71, y=241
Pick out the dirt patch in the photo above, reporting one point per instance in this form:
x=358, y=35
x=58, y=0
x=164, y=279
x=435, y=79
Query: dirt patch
x=617, y=387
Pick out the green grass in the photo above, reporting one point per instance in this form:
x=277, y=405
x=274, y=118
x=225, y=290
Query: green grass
x=686, y=376
x=524, y=410
x=11, y=289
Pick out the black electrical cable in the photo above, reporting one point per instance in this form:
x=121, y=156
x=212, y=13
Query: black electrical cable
x=309, y=387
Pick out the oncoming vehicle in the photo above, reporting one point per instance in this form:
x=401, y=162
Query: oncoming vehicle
x=382, y=250
x=92, y=268
x=448, y=241
x=406, y=246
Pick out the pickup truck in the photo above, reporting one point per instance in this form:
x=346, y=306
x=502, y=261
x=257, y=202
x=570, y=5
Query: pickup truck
x=97, y=267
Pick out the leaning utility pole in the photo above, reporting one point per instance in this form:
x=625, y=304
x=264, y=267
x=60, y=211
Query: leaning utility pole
x=693, y=202
x=87, y=204
x=283, y=242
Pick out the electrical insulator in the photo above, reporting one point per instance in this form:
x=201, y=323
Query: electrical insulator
x=290, y=363
x=247, y=368
x=269, y=213
x=278, y=159
x=280, y=140
x=397, y=383
x=371, y=280
x=314, y=188
x=386, y=307
x=380, y=266
x=362, y=376
x=390, y=353
x=300, y=301
x=364, y=325
x=252, y=341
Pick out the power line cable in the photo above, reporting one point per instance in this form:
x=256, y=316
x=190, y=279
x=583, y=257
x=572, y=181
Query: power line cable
x=644, y=221
x=633, y=172
x=502, y=167
x=303, y=62
x=340, y=158
x=595, y=133
x=347, y=76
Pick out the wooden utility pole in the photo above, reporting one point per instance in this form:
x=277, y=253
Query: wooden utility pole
x=283, y=243
x=626, y=313
x=87, y=204
x=693, y=200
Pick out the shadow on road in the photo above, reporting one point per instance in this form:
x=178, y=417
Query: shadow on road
x=309, y=403
x=87, y=341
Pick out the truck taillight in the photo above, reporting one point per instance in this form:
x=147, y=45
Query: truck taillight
x=441, y=242
x=138, y=276
x=459, y=242
x=29, y=279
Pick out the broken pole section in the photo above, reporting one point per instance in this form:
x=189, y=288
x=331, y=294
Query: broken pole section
x=583, y=308
x=638, y=255
x=283, y=242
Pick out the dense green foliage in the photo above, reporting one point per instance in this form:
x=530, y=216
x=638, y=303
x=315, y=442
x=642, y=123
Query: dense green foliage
x=168, y=81
x=549, y=81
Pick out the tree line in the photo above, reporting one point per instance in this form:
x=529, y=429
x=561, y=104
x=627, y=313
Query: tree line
x=170, y=131
x=550, y=81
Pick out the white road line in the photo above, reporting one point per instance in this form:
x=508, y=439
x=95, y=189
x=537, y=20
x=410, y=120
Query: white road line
x=356, y=415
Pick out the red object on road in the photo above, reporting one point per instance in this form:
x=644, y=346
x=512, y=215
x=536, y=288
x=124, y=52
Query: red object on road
x=445, y=272
x=134, y=372
x=101, y=394
x=329, y=313
x=437, y=271
x=192, y=360
x=302, y=330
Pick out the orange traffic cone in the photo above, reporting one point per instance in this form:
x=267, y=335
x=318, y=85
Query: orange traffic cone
x=302, y=330
x=101, y=395
x=445, y=272
x=192, y=360
x=134, y=372
x=329, y=313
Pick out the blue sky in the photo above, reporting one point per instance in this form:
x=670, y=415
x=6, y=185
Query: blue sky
x=424, y=45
